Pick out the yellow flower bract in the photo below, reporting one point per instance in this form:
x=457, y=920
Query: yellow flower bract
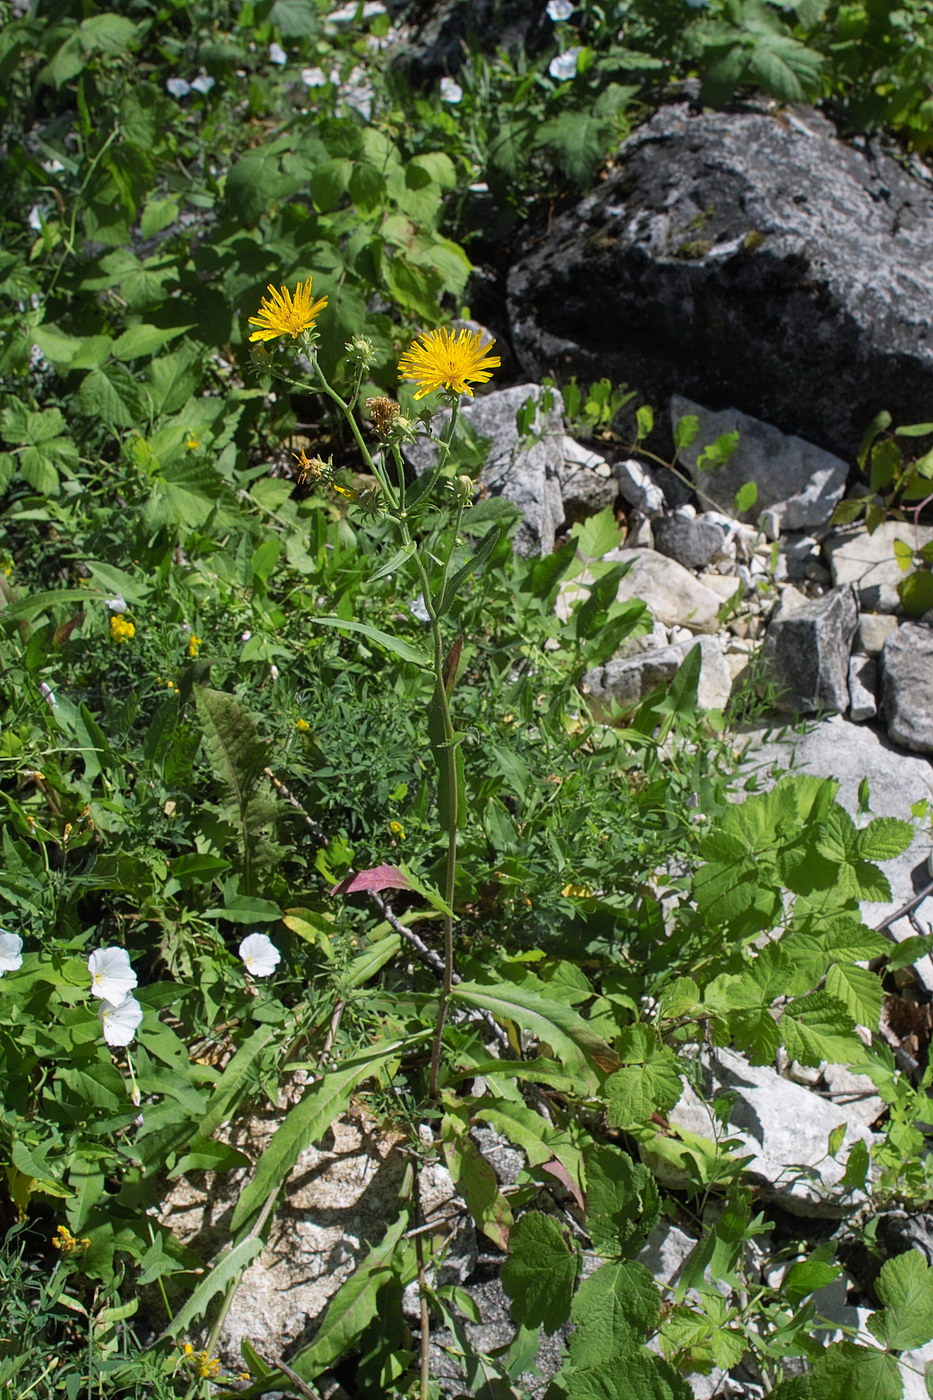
x=447, y=360
x=286, y=313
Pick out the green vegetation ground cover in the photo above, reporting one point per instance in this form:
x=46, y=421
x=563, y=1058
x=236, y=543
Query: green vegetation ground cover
x=190, y=758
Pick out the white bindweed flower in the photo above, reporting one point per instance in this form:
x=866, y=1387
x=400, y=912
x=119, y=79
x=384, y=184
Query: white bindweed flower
x=203, y=83
x=11, y=951
x=259, y=954
x=111, y=975
x=120, y=1020
x=564, y=66
x=48, y=694
x=559, y=9
x=117, y=604
x=177, y=87
x=35, y=218
x=451, y=91
x=277, y=54
x=315, y=77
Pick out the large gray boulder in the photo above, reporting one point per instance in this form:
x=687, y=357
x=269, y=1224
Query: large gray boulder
x=744, y=259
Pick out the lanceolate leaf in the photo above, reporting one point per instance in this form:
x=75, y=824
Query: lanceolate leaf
x=384, y=639
x=560, y=1027
x=306, y=1124
x=219, y=1277
x=355, y=1304
x=476, y=1180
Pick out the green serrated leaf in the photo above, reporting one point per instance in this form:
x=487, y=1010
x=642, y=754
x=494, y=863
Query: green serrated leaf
x=905, y=1286
x=818, y=1027
x=539, y=1274
x=649, y=1081
x=859, y=990
x=622, y=1202
x=306, y=1124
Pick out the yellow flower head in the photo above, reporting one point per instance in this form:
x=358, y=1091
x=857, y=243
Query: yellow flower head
x=302, y=726
x=397, y=829
x=444, y=360
x=284, y=313
x=194, y=645
x=68, y=1243
x=120, y=629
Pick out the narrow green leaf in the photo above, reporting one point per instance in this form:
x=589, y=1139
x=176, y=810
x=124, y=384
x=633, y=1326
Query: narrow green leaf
x=392, y=566
x=222, y=1102
x=452, y=587
x=305, y=1124
x=215, y=1281
x=355, y=1304
x=475, y=1179
x=384, y=639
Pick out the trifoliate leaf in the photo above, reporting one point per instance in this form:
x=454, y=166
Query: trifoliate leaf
x=540, y=1272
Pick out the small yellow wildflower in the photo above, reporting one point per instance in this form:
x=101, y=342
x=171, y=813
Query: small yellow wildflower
x=120, y=629
x=192, y=441
x=284, y=313
x=302, y=726
x=444, y=360
x=202, y=1363
x=194, y=645
x=576, y=891
x=397, y=829
x=68, y=1243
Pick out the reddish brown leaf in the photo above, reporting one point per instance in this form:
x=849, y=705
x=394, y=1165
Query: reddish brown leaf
x=380, y=877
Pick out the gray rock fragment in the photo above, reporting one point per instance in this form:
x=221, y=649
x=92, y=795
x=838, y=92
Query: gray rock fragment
x=907, y=686
x=784, y=1126
x=691, y=541
x=673, y=594
x=874, y=629
x=638, y=487
x=587, y=482
x=798, y=484
x=868, y=561
x=525, y=471
x=807, y=651
x=741, y=257
x=629, y=679
x=863, y=688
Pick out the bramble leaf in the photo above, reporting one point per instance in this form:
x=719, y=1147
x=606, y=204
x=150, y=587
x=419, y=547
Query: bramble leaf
x=905, y=1286
x=540, y=1272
